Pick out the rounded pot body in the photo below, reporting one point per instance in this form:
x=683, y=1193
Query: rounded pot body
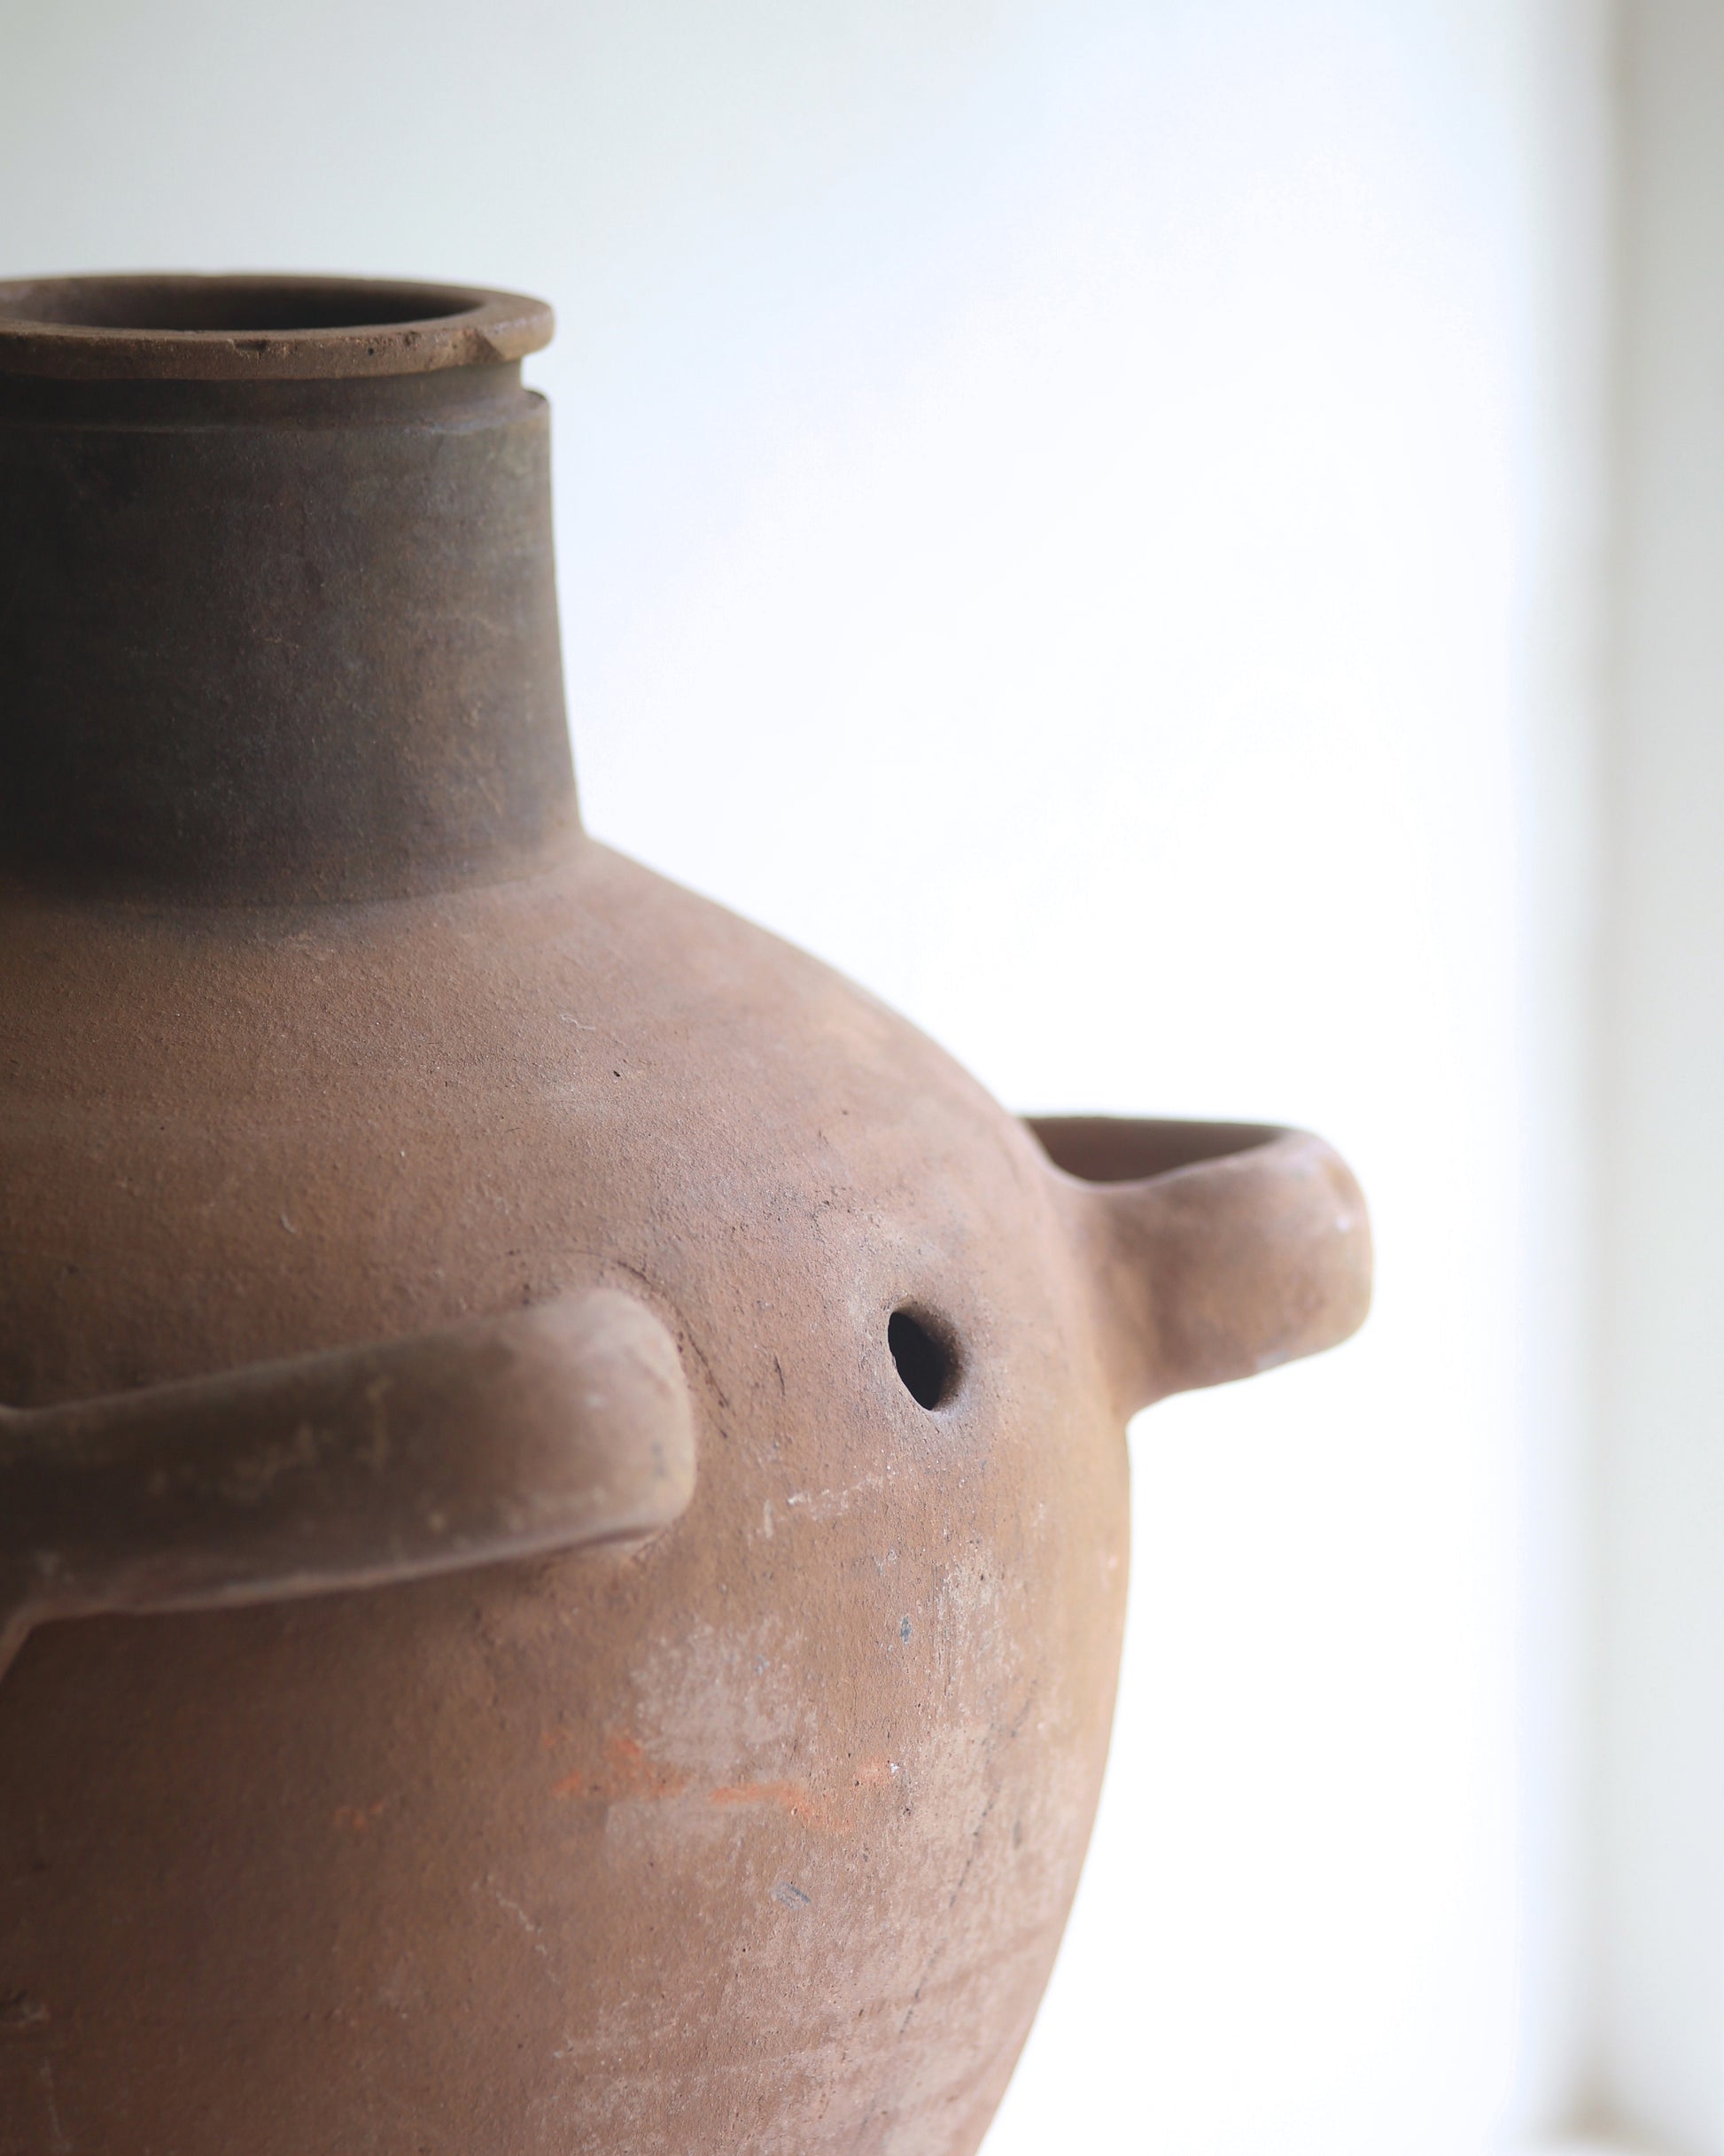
x=759, y=1838
x=727, y=1791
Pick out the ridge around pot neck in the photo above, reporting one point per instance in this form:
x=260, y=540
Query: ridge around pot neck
x=209, y=329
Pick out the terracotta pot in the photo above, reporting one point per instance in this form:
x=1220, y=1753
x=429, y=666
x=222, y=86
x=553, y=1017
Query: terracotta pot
x=656, y=1700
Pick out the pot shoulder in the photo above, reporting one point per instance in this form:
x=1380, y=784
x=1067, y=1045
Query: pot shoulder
x=239, y=1133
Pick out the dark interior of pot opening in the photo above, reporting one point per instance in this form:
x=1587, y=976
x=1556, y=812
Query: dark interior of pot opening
x=926, y=1356
x=227, y=305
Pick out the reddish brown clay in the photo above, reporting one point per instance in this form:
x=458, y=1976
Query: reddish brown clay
x=409, y=1818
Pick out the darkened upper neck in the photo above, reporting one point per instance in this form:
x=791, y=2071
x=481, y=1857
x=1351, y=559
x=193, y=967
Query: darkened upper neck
x=272, y=638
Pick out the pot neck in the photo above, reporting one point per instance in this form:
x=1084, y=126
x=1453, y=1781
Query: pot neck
x=278, y=641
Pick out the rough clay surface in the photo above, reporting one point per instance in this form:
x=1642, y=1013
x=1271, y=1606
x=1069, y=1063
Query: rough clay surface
x=757, y=1840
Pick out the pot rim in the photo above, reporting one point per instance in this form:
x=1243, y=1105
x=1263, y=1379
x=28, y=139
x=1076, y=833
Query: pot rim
x=157, y=326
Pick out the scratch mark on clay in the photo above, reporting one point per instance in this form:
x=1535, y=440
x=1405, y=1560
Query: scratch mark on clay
x=833, y=1504
x=995, y=1742
x=514, y=1909
x=358, y=1818
x=627, y=1772
x=792, y=1897
x=254, y=1475
x=921, y=1985
x=796, y=1798
x=694, y=1348
x=61, y=2139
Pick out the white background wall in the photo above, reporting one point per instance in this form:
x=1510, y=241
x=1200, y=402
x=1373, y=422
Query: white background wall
x=1084, y=512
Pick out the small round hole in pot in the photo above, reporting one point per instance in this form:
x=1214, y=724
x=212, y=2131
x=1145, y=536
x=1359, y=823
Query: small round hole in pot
x=926, y=1358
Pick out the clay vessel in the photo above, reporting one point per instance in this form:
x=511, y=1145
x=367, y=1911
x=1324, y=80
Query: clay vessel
x=563, y=1511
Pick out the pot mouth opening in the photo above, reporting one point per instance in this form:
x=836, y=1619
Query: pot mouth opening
x=236, y=328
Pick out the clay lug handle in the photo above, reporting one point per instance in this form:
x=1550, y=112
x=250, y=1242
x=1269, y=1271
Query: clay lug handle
x=1219, y=1249
x=557, y=1428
